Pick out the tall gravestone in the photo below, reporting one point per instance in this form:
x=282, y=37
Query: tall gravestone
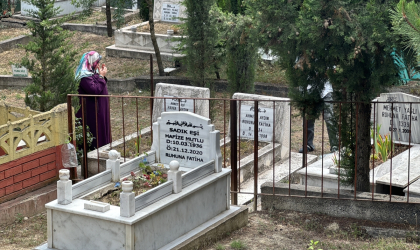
x=186, y=137
x=176, y=103
x=168, y=10
x=396, y=117
x=273, y=119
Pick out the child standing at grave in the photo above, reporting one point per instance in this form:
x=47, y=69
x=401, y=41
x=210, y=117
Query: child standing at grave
x=93, y=82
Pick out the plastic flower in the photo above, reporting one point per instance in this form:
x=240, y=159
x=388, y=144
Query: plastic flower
x=132, y=174
x=117, y=184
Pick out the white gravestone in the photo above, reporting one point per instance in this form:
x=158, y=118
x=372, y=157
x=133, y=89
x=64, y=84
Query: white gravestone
x=397, y=116
x=187, y=138
x=168, y=10
x=19, y=71
x=172, y=104
x=265, y=123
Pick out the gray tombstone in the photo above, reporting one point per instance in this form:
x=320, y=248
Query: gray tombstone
x=397, y=116
x=200, y=107
x=187, y=138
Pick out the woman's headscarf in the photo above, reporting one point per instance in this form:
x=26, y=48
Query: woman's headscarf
x=87, y=65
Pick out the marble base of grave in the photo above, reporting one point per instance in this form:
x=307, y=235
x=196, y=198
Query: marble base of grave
x=327, y=173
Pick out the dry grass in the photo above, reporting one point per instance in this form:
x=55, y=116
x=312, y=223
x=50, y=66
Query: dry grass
x=8, y=33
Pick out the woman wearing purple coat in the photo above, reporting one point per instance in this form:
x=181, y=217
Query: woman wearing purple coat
x=93, y=82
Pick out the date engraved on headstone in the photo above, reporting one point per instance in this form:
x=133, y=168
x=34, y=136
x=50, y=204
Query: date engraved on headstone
x=265, y=123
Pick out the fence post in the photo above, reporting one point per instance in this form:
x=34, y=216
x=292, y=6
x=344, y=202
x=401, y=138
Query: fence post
x=73, y=171
x=233, y=151
x=127, y=200
x=64, y=187
x=113, y=163
x=256, y=154
x=175, y=175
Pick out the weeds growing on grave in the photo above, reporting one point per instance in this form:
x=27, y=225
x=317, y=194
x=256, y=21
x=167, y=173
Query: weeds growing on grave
x=238, y=244
x=312, y=245
x=19, y=217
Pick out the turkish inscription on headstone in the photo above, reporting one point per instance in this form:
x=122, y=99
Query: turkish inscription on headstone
x=19, y=71
x=396, y=117
x=265, y=123
x=175, y=104
x=170, y=12
x=186, y=137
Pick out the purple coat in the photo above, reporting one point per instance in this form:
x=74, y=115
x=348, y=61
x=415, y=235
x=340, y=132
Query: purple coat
x=95, y=85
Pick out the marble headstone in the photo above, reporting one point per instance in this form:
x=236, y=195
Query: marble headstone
x=187, y=138
x=168, y=10
x=201, y=107
x=270, y=115
x=397, y=116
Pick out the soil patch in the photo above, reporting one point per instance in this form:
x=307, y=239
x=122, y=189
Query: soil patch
x=8, y=33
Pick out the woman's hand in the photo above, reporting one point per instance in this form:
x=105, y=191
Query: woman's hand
x=102, y=70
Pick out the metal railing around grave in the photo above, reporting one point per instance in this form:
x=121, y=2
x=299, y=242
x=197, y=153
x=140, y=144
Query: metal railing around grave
x=129, y=114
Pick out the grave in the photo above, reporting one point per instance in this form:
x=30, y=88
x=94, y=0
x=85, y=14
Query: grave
x=200, y=107
x=132, y=44
x=186, y=137
x=400, y=115
x=165, y=217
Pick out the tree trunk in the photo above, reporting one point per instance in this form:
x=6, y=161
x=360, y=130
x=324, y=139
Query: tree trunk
x=108, y=18
x=153, y=37
x=363, y=147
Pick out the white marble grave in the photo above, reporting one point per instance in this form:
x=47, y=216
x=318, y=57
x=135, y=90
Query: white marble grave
x=186, y=137
x=201, y=107
x=401, y=116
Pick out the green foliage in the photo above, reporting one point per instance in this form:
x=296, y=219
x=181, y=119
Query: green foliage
x=406, y=23
x=52, y=67
x=86, y=6
x=348, y=43
x=220, y=247
x=144, y=10
x=312, y=245
x=79, y=139
x=383, y=145
x=238, y=244
x=198, y=41
x=119, y=11
x=19, y=218
x=238, y=35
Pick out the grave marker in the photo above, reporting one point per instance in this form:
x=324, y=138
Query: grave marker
x=172, y=90
x=19, y=71
x=187, y=138
x=277, y=116
x=168, y=10
x=397, y=116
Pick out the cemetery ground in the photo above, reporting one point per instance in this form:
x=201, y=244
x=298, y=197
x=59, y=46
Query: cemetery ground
x=274, y=230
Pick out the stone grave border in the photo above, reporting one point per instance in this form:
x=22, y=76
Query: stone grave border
x=195, y=188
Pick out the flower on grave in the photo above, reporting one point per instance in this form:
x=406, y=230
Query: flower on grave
x=117, y=184
x=125, y=179
x=146, y=184
x=133, y=174
x=165, y=176
x=152, y=176
x=146, y=176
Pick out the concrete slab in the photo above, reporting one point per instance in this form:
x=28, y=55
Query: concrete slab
x=114, y=51
x=281, y=170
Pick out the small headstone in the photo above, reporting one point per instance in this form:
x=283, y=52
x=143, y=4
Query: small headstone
x=270, y=115
x=168, y=10
x=19, y=71
x=97, y=206
x=187, y=138
x=397, y=116
x=175, y=93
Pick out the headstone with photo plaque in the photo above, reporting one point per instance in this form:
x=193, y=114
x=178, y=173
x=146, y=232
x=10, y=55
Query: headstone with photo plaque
x=175, y=102
x=395, y=116
x=186, y=137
